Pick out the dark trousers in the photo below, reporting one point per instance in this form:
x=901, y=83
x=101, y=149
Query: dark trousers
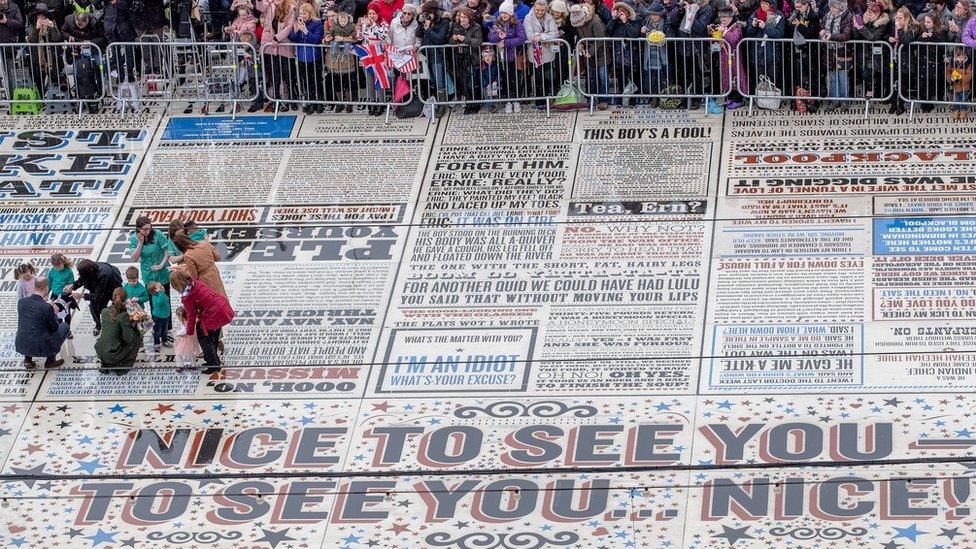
x=208, y=344
x=160, y=327
x=59, y=337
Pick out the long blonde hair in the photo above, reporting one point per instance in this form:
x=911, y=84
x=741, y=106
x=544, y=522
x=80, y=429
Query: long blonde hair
x=911, y=25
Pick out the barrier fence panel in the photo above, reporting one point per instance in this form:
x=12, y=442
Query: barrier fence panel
x=495, y=76
x=830, y=73
x=664, y=72
x=936, y=73
x=51, y=78
x=323, y=75
x=149, y=73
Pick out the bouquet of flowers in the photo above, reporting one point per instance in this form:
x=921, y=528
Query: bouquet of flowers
x=142, y=319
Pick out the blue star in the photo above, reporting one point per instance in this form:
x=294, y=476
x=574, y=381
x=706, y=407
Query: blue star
x=679, y=448
x=89, y=466
x=964, y=433
x=117, y=408
x=177, y=416
x=350, y=539
x=408, y=408
x=188, y=407
x=435, y=421
x=662, y=406
x=621, y=534
x=940, y=423
x=85, y=440
x=130, y=414
x=310, y=405
x=615, y=419
x=546, y=527
x=218, y=407
x=307, y=420
x=18, y=541
x=909, y=533
x=102, y=537
x=726, y=405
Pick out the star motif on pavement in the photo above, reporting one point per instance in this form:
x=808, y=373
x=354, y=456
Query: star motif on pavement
x=163, y=408
x=274, y=538
x=89, y=466
x=205, y=481
x=733, y=535
x=62, y=408
x=950, y=533
x=102, y=537
x=74, y=532
x=892, y=402
x=891, y=545
x=12, y=408
x=381, y=407
x=909, y=533
x=35, y=470
x=131, y=542
x=4, y=432
x=117, y=408
x=399, y=528
x=64, y=424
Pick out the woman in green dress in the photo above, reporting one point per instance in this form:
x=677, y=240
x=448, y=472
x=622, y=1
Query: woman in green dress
x=119, y=342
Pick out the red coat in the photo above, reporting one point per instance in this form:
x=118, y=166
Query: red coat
x=211, y=309
x=385, y=10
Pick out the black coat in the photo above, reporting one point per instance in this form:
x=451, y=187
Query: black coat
x=118, y=22
x=11, y=29
x=99, y=284
x=38, y=331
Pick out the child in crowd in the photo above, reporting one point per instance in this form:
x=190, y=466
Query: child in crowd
x=340, y=34
x=160, y=315
x=244, y=23
x=195, y=233
x=60, y=277
x=959, y=73
x=489, y=76
x=134, y=290
x=187, y=347
x=24, y=275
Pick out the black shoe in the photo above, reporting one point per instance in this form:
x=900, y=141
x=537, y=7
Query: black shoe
x=349, y=108
x=308, y=109
x=255, y=107
x=210, y=370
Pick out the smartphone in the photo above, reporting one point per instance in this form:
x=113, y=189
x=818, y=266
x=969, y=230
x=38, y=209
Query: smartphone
x=859, y=20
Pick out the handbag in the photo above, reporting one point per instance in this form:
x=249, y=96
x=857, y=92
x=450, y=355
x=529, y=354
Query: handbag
x=569, y=98
x=769, y=96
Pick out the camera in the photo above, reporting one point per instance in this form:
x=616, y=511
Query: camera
x=423, y=18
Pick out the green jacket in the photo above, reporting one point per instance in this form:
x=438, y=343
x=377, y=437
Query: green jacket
x=57, y=280
x=119, y=342
x=137, y=291
x=160, y=305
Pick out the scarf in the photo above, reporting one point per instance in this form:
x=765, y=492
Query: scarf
x=832, y=23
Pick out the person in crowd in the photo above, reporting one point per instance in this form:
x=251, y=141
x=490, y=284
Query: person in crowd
x=99, y=281
x=693, y=21
x=510, y=35
x=959, y=74
x=403, y=30
x=766, y=22
x=150, y=247
x=655, y=60
x=342, y=65
x=82, y=27
x=489, y=77
x=837, y=26
x=929, y=62
x=372, y=30
x=478, y=10
x=601, y=10
x=938, y=10
x=560, y=14
x=802, y=63
x=39, y=334
x=961, y=14
x=60, y=277
x=307, y=35
x=134, y=290
x=186, y=348
x=463, y=57
x=151, y=19
x=450, y=5
x=593, y=55
x=873, y=26
x=41, y=28
x=435, y=30
x=119, y=342
x=161, y=315
x=626, y=52
x=244, y=22
x=519, y=11
x=277, y=18
x=540, y=33
x=905, y=31
x=200, y=259
x=24, y=274
x=11, y=22
x=120, y=28
x=387, y=10
x=731, y=66
x=207, y=312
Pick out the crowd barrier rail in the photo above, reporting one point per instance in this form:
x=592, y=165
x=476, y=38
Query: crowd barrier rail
x=668, y=72
x=321, y=75
x=456, y=75
x=929, y=73
x=153, y=72
x=51, y=78
x=781, y=69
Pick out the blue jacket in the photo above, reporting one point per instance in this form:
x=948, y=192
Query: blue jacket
x=38, y=332
x=307, y=54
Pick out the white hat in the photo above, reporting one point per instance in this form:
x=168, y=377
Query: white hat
x=507, y=7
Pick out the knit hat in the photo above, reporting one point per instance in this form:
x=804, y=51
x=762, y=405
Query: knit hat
x=375, y=6
x=558, y=6
x=873, y=7
x=246, y=4
x=409, y=8
x=657, y=8
x=507, y=7
x=579, y=14
x=726, y=12
x=542, y=3
x=840, y=4
x=626, y=7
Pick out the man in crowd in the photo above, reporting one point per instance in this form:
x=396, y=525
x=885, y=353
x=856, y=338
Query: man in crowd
x=38, y=331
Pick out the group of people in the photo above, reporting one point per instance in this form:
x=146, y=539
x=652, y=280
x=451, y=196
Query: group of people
x=500, y=53
x=181, y=260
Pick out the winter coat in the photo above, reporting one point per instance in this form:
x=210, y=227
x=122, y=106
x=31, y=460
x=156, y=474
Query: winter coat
x=966, y=76
x=275, y=34
x=206, y=307
x=656, y=56
x=521, y=10
x=596, y=54
x=732, y=36
x=201, y=265
x=627, y=54
x=969, y=33
x=438, y=33
x=567, y=32
x=91, y=33
x=50, y=35
x=514, y=37
x=699, y=25
x=242, y=25
x=99, y=283
x=345, y=6
x=403, y=37
x=373, y=33
x=118, y=22
x=808, y=24
x=766, y=54
x=387, y=10
x=872, y=31
x=546, y=29
x=472, y=39
x=307, y=54
x=929, y=57
x=37, y=328
x=119, y=342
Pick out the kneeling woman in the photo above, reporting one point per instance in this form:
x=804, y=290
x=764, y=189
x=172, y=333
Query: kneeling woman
x=206, y=313
x=119, y=341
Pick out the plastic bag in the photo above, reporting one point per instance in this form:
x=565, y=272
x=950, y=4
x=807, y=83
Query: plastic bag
x=769, y=95
x=570, y=97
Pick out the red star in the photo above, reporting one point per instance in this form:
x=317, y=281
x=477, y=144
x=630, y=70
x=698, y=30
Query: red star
x=382, y=407
x=41, y=408
x=399, y=529
x=31, y=448
x=12, y=408
x=163, y=408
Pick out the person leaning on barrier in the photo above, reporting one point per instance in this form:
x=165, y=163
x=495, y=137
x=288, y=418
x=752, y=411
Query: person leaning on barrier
x=625, y=55
x=560, y=14
x=837, y=25
x=466, y=39
x=509, y=34
x=959, y=74
x=11, y=22
x=541, y=50
x=434, y=31
x=940, y=11
x=593, y=55
x=342, y=65
x=83, y=27
x=874, y=26
x=905, y=31
x=732, y=68
x=307, y=35
x=961, y=14
x=766, y=22
x=929, y=61
x=802, y=64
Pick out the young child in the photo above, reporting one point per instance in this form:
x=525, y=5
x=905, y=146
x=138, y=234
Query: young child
x=959, y=73
x=24, y=275
x=244, y=23
x=489, y=76
x=195, y=233
x=341, y=34
x=60, y=277
x=134, y=290
x=187, y=347
x=160, y=314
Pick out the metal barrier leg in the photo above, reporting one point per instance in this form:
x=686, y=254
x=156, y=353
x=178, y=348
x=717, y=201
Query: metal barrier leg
x=387, y=117
x=911, y=111
x=548, y=113
x=867, y=106
x=277, y=105
x=592, y=102
x=750, y=106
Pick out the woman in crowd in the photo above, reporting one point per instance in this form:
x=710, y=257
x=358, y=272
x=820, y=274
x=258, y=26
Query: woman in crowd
x=931, y=72
x=200, y=260
x=766, y=22
x=540, y=31
x=277, y=21
x=874, y=26
x=307, y=35
x=802, y=64
x=906, y=30
x=150, y=247
x=626, y=53
x=961, y=14
x=372, y=31
x=464, y=56
x=100, y=280
x=593, y=56
x=731, y=66
x=837, y=26
x=207, y=312
x=510, y=35
x=434, y=30
x=341, y=63
x=119, y=342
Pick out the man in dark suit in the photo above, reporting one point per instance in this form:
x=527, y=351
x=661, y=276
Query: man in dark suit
x=38, y=331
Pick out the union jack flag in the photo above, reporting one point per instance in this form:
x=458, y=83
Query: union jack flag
x=373, y=59
x=403, y=61
x=537, y=55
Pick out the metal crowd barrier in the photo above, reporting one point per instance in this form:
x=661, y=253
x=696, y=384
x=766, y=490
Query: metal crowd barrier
x=816, y=70
x=154, y=73
x=455, y=74
x=666, y=72
x=51, y=78
x=930, y=73
x=331, y=76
